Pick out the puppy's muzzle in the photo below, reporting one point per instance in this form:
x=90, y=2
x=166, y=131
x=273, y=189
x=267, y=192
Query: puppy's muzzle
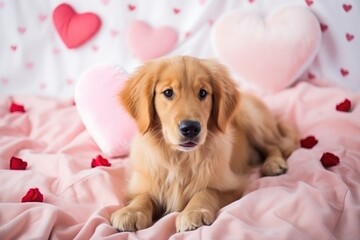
x=189, y=129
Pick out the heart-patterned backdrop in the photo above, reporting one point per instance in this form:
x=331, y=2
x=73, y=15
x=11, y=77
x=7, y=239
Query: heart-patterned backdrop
x=46, y=45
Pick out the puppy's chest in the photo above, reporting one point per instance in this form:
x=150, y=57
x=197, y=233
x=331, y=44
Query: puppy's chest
x=178, y=187
x=180, y=178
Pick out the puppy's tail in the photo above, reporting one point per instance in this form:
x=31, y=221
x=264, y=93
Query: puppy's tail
x=289, y=138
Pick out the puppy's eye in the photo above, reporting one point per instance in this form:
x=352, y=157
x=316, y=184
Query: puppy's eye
x=169, y=93
x=202, y=94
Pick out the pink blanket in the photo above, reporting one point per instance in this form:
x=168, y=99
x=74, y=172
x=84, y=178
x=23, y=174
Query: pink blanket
x=309, y=202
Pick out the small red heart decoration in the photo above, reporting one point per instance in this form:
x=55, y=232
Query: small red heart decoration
x=349, y=37
x=14, y=107
x=100, y=161
x=75, y=29
x=17, y=164
x=347, y=7
x=308, y=142
x=131, y=7
x=309, y=2
x=329, y=159
x=344, y=106
x=311, y=76
x=33, y=195
x=323, y=27
x=344, y=72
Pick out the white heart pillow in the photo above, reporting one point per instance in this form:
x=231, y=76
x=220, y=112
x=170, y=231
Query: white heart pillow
x=271, y=52
x=96, y=98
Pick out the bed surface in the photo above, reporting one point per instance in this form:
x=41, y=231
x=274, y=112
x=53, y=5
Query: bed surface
x=308, y=202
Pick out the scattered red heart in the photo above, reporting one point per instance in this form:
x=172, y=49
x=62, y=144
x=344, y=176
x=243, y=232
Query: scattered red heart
x=329, y=159
x=100, y=161
x=17, y=164
x=344, y=72
x=131, y=7
x=14, y=107
x=323, y=27
x=33, y=195
x=347, y=7
x=309, y=2
x=349, y=37
x=344, y=106
x=308, y=142
x=311, y=75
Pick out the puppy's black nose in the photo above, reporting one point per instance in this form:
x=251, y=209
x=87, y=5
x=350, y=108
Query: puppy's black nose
x=189, y=128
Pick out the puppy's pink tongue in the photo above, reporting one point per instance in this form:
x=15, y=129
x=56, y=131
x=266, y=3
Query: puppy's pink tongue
x=188, y=144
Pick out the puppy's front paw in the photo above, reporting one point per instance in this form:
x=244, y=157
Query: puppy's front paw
x=129, y=220
x=191, y=220
x=274, y=167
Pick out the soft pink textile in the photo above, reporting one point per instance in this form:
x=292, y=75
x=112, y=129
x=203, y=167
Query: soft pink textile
x=309, y=202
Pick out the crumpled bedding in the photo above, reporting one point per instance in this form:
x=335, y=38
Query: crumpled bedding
x=308, y=202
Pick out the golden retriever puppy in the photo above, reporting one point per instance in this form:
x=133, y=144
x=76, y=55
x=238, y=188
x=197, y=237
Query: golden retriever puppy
x=198, y=136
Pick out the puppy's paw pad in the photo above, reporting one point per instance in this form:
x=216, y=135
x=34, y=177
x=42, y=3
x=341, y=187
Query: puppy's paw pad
x=191, y=220
x=274, y=167
x=128, y=220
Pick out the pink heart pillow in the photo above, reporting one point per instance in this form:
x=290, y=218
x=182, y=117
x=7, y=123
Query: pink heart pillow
x=75, y=29
x=272, y=52
x=147, y=42
x=96, y=98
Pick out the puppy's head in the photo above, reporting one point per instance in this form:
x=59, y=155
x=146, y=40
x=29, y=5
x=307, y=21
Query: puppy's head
x=185, y=97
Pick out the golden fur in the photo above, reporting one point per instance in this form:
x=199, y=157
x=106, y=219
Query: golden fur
x=199, y=168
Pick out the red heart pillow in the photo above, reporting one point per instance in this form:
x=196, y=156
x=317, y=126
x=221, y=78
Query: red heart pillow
x=75, y=29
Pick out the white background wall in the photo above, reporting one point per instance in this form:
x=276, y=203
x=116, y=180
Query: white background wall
x=34, y=60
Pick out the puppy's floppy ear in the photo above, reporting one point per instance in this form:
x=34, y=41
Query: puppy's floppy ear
x=226, y=95
x=137, y=97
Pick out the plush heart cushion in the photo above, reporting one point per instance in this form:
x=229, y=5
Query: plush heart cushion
x=270, y=52
x=75, y=29
x=96, y=98
x=147, y=42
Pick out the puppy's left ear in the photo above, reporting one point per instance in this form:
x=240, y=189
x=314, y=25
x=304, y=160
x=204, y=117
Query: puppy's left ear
x=226, y=95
